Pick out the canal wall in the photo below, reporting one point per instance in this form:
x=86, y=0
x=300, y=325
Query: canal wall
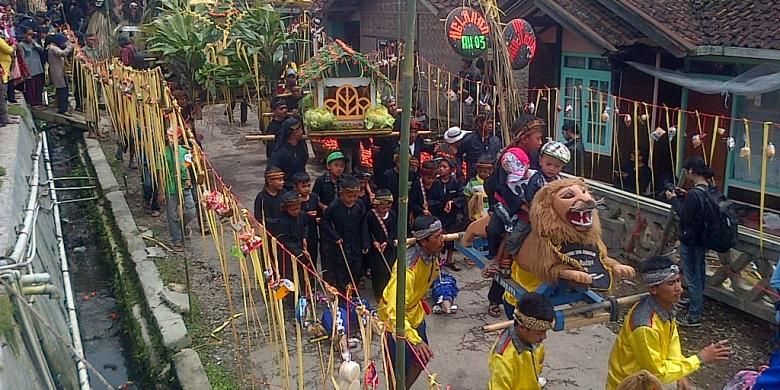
x=35, y=331
x=155, y=324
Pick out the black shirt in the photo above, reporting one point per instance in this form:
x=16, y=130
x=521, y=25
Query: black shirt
x=340, y=222
x=273, y=128
x=392, y=181
x=269, y=207
x=535, y=183
x=452, y=192
x=290, y=231
x=385, y=231
x=291, y=159
x=434, y=196
x=692, y=210
x=327, y=189
x=313, y=204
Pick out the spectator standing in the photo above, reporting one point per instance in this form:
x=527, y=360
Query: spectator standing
x=33, y=87
x=693, y=207
x=58, y=50
x=279, y=107
x=179, y=204
x=6, y=58
x=482, y=141
x=576, y=165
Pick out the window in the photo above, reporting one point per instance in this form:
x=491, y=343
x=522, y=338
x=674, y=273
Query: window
x=759, y=109
x=586, y=86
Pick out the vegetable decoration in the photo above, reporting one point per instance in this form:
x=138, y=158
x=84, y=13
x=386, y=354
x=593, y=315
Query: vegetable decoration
x=319, y=118
x=378, y=117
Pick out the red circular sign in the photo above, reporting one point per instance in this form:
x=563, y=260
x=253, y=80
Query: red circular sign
x=520, y=42
x=468, y=32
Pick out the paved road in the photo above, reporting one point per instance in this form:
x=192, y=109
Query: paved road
x=575, y=359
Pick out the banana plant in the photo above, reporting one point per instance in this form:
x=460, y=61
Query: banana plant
x=263, y=37
x=178, y=41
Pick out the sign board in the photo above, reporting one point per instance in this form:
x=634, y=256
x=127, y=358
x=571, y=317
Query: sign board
x=468, y=32
x=520, y=42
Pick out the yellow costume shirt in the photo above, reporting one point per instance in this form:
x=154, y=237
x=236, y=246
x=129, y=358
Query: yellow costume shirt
x=525, y=279
x=648, y=340
x=6, y=58
x=514, y=365
x=420, y=273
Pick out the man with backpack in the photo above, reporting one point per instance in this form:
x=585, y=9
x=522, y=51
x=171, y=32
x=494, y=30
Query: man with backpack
x=707, y=222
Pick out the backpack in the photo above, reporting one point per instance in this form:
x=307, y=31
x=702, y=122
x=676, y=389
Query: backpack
x=720, y=225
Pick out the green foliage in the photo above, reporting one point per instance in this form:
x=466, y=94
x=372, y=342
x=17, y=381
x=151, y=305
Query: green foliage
x=255, y=42
x=178, y=40
x=7, y=322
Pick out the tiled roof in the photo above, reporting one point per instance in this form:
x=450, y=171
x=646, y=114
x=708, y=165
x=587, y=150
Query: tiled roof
x=447, y=5
x=599, y=19
x=749, y=24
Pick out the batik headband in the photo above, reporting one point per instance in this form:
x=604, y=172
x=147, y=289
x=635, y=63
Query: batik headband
x=274, y=175
x=660, y=276
x=427, y=232
x=532, y=323
x=378, y=200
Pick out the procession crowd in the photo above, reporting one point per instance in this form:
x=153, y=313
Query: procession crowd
x=345, y=221
x=345, y=224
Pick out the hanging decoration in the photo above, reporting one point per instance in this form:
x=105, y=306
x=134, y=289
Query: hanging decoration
x=696, y=139
x=770, y=151
x=657, y=134
x=731, y=143
x=521, y=43
x=468, y=32
x=672, y=132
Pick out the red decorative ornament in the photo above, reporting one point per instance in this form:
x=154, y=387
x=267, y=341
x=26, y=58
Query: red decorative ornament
x=520, y=42
x=249, y=241
x=217, y=203
x=371, y=379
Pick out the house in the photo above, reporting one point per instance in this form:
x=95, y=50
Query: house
x=585, y=47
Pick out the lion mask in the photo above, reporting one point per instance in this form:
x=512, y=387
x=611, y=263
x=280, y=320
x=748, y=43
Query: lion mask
x=565, y=239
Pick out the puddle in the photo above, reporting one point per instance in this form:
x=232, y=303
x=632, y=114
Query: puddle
x=105, y=346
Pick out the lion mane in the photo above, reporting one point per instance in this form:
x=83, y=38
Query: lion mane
x=549, y=231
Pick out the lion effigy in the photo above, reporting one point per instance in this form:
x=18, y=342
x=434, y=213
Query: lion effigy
x=565, y=240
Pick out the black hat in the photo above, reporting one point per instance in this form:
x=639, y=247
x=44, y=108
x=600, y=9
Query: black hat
x=290, y=198
x=278, y=102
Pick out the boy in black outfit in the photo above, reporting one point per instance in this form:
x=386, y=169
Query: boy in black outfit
x=342, y=242
x=391, y=176
x=328, y=186
x=291, y=230
x=426, y=196
x=268, y=202
x=453, y=204
x=366, y=191
x=379, y=235
x=310, y=207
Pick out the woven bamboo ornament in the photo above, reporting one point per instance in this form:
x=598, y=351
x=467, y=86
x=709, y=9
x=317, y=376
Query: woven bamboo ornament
x=657, y=134
x=730, y=143
x=696, y=139
x=643, y=118
x=770, y=151
x=605, y=116
x=672, y=132
x=627, y=119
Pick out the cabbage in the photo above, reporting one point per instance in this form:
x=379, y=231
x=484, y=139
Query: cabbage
x=378, y=117
x=319, y=118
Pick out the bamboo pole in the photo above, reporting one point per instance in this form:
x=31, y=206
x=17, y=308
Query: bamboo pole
x=577, y=311
x=270, y=137
x=403, y=193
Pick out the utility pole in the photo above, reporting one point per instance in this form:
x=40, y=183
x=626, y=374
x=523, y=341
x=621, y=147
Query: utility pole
x=403, y=193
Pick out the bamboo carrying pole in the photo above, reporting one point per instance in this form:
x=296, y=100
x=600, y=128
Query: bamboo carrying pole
x=403, y=192
x=270, y=137
x=579, y=311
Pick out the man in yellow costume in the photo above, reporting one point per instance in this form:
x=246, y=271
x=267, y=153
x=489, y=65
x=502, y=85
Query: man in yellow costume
x=516, y=360
x=648, y=339
x=422, y=261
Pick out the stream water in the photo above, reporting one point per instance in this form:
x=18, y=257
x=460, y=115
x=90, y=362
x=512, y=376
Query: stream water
x=99, y=315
